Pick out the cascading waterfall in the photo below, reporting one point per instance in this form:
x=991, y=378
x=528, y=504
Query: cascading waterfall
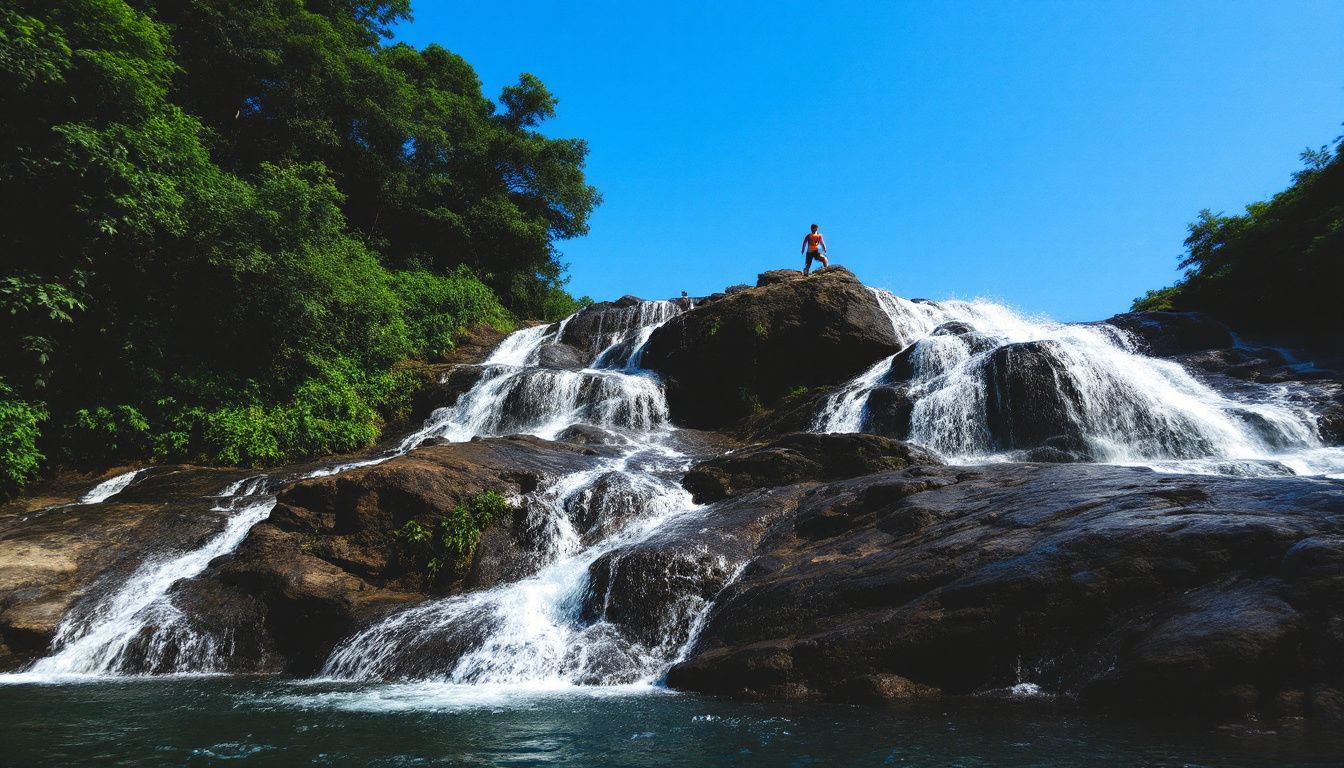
x=972, y=373
x=529, y=631
x=959, y=377
x=535, y=631
x=98, y=642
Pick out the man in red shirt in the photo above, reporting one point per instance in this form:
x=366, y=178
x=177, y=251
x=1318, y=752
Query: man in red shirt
x=814, y=245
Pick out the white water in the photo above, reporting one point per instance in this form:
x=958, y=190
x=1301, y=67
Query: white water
x=1125, y=407
x=97, y=642
x=537, y=632
x=109, y=488
x=532, y=634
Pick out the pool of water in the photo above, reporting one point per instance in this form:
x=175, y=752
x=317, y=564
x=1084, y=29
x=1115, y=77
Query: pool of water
x=262, y=722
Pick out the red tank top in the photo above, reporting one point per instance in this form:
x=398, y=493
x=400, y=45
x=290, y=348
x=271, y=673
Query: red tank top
x=814, y=241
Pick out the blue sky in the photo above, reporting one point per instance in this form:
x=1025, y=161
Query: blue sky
x=1048, y=155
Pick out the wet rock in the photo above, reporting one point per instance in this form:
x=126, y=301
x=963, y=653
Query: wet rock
x=445, y=389
x=881, y=688
x=731, y=358
x=1173, y=333
x=598, y=326
x=587, y=434
x=66, y=558
x=953, y=328
x=331, y=556
x=799, y=457
x=1116, y=586
x=561, y=356
x=604, y=507
x=889, y=410
x=650, y=591
x=1029, y=396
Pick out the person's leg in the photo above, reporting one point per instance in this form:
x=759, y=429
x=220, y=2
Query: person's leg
x=808, y=266
x=824, y=263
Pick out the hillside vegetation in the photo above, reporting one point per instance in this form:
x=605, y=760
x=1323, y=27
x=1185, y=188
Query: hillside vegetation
x=1278, y=267
x=227, y=221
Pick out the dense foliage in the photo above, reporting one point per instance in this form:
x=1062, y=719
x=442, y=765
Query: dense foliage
x=227, y=220
x=1277, y=268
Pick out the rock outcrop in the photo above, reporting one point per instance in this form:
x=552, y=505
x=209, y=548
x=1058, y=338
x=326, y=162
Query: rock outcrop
x=796, y=458
x=334, y=553
x=731, y=357
x=1112, y=585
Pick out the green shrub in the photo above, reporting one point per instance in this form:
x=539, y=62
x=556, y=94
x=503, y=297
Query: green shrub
x=19, y=455
x=451, y=541
x=107, y=433
x=437, y=308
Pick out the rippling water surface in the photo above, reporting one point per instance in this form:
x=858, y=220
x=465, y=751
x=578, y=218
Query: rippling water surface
x=241, y=721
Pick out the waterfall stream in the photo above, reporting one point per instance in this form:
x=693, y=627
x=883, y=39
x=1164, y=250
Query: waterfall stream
x=972, y=373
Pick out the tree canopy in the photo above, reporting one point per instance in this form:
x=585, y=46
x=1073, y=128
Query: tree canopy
x=227, y=220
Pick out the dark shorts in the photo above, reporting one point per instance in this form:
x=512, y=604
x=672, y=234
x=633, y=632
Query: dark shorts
x=812, y=255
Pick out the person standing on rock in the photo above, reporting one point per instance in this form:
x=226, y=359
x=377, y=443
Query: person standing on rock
x=814, y=245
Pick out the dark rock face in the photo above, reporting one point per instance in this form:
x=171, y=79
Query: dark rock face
x=1173, y=333
x=1029, y=398
x=587, y=434
x=589, y=331
x=729, y=358
x=1113, y=585
x=561, y=356
x=650, y=592
x=889, y=411
x=329, y=558
x=798, y=458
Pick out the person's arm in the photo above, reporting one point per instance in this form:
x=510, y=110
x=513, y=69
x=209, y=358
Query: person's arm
x=804, y=249
x=823, y=245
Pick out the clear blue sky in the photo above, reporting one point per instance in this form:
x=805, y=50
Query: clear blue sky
x=1044, y=154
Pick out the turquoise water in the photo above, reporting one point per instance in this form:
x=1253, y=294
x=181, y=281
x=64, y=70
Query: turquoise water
x=256, y=722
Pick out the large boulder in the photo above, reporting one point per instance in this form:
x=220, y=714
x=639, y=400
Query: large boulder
x=1029, y=395
x=732, y=357
x=1110, y=585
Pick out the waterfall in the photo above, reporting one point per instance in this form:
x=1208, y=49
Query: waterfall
x=97, y=642
x=519, y=632
x=978, y=382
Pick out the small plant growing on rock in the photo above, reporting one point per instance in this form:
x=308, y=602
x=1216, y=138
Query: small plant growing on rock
x=452, y=540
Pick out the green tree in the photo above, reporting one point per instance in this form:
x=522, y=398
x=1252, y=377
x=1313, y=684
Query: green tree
x=228, y=222
x=1275, y=268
